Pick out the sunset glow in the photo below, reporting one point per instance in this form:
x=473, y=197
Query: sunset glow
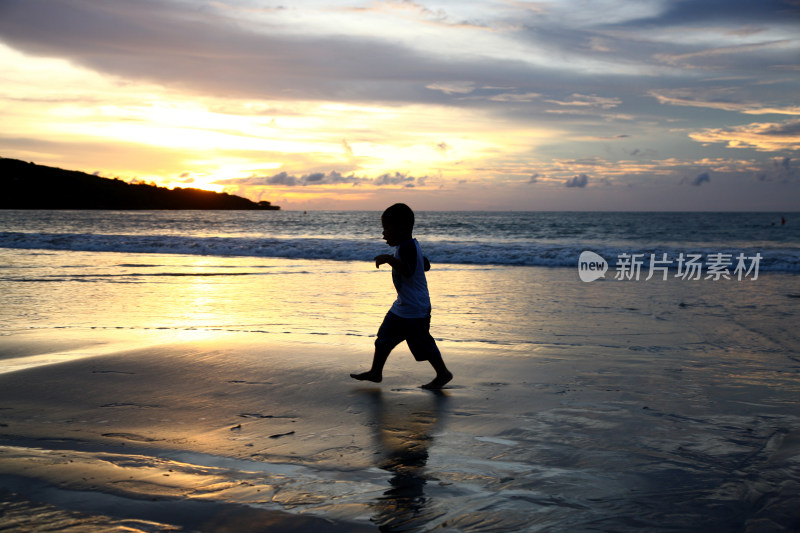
x=485, y=105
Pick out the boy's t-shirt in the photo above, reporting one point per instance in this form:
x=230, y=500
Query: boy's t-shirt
x=413, y=299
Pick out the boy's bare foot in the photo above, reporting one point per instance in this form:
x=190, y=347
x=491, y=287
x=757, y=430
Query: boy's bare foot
x=367, y=376
x=438, y=382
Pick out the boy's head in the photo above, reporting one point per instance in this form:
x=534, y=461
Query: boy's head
x=398, y=223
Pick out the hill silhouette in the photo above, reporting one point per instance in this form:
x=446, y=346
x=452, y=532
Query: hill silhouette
x=30, y=186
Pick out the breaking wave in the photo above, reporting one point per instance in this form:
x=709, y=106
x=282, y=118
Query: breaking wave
x=531, y=253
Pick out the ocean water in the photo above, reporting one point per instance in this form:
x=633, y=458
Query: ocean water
x=472, y=238
x=312, y=273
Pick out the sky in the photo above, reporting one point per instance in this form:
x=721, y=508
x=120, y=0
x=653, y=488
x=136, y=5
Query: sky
x=607, y=105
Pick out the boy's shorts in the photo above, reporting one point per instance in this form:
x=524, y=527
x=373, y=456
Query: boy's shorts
x=415, y=331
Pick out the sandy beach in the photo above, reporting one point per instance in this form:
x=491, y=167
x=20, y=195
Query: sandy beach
x=232, y=433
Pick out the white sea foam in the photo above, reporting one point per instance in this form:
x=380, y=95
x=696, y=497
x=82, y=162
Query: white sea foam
x=448, y=252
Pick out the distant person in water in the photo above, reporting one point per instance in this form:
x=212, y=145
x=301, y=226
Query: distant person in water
x=409, y=318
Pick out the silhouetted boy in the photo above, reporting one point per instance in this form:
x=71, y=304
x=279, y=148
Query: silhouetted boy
x=409, y=319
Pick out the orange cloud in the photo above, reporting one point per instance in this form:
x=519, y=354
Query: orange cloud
x=764, y=137
x=722, y=99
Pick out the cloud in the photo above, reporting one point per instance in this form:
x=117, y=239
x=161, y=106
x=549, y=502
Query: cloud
x=607, y=137
x=750, y=12
x=289, y=180
x=698, y=180
x=764, y=137
x=453, y=87
x=515, y=98
x=324, y=178
x=722, y=56
x=780, y=169
x=205, y=51
x=724, y=99
x=582, y=100
x=584, y=162
x=398, y=178
x=348, y=150
x=210, y=51
x=263, y=54
x=580, y=181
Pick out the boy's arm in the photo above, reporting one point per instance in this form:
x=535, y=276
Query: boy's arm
x=394, y=262
x=387, y=258
x=405, y=264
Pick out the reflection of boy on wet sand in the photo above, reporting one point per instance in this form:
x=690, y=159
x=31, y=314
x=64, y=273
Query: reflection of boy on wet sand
x=409, y=319
x=403, y=433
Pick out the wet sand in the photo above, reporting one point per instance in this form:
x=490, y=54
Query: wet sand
x=242, y=432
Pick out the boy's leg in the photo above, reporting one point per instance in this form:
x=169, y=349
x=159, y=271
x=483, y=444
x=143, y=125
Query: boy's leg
x=443, y=375
x=423, y=346
x=375, y=373
x=390, y=334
